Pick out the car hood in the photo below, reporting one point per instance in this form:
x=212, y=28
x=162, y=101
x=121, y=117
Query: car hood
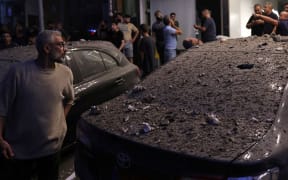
x=214, y=102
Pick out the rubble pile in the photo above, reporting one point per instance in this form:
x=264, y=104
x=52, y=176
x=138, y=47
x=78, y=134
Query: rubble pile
x=213, y=101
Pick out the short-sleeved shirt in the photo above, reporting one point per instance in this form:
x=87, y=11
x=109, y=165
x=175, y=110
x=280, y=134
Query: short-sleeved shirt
x=170, y=37
x=127, y=30
x=268, y=27
x=282, y=28
x=32, y=100
x=116, y=37
x=210, y=33
x=256, y=29
x=158, y=28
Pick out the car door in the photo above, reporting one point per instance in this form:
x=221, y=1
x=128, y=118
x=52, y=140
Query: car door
x=118, y=78
x=88, y=68
x=102, y=78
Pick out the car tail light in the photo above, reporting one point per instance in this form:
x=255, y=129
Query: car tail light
x=271, y=174
x=204, y=178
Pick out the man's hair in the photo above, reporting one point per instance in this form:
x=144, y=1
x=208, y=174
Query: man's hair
x=119, y=14
x=157, y=12
x=187, y=44
x=172, y=14
x=115, y=22
x=144, y=28
x=257, y=5
x=45, y=37
x=166, y=20
x=127, y=16
x=269, y=4
x=285, y=4
x=209, y=11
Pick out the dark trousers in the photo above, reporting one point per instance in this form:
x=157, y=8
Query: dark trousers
x=160, y=49
x=44, y=168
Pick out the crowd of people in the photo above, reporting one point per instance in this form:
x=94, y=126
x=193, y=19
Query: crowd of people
x=149, y=46
x=18, y=36
x=265, y=21
x=157, y=44
x=21, y=36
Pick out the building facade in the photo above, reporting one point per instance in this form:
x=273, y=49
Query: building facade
x=79, y=15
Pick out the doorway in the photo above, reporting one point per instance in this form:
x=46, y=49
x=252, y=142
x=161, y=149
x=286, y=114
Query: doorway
x=220, y=13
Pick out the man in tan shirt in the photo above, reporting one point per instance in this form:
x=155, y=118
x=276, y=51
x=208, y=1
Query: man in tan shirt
x=36, y=96
x=128, y=29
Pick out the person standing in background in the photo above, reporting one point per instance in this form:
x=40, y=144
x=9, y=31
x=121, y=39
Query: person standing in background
x=281, y=24
x=170, y=39
x=147, y=51
x=173, y=18
x=285, y=7
x=102, y=31
x=256, y=24
x=6, y=41
x=128, y=28
x=208, y=27
x=176, y=22
x=157, y=34
x=116, y=36
x=268, y=11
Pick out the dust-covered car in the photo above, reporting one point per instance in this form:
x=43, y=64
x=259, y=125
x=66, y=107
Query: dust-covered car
x=215, y=112
x=100, y=72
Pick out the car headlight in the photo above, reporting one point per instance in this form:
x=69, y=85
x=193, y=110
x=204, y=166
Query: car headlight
x=271, y=174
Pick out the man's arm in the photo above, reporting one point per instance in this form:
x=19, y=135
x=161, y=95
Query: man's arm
x=250, y=22
x=136, y=33
x=67, y=108
x=200, y=28
x=122, y=42
x=4, y=145
x=135, y=36
x=122, y=45
x=178, y=30
x=267, y=19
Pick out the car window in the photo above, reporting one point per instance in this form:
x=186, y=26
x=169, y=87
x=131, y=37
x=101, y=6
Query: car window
x=109, y=61
x=68, y=61
x=89, y=62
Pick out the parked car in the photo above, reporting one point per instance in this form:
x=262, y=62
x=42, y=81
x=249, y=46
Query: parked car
x=218, y=111
x=100, y=72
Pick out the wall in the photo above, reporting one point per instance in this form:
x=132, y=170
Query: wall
x=142, y=11
x=31, y=9
x=240, y=12
x=185, y=11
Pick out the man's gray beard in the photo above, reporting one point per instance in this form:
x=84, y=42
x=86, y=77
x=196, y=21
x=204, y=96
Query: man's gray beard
x=56, y=57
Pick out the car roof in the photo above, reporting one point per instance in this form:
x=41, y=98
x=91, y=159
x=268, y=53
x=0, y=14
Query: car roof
x=215, y=101
x=29, y=52
x=25, y=53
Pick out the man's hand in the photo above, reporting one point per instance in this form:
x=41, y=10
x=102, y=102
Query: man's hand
x=257, y=15
x=196, y=26
x=6, y=149
x=172, y=23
